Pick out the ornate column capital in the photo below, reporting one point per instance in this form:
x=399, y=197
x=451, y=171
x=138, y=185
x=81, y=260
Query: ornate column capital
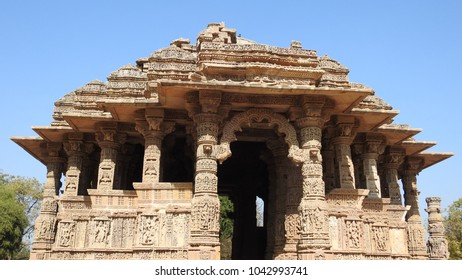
x=393, y=157
x=207, y=118
x=344, y=129
x=74, y=144
x=313, y=105
x=154, y=127
x=314, y=111
x=412, y=165
x=52, y=150
x=209, y=100
x=369, y=145
x=107, y=135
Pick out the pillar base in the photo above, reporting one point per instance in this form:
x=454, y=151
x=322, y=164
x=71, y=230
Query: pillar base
x=314, y=255
x=204, y=252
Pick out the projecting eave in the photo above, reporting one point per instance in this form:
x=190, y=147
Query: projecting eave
x=345, y=99
x=395, y=134
x=33, y=145
x=414, y=147
x=371, y=119
x=52, y=133
x=433, y=158
x=126, y=110
x=85, y=123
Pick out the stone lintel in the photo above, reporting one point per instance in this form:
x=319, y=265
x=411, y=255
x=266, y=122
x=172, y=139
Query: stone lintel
x=350, y=198
x=376, y=204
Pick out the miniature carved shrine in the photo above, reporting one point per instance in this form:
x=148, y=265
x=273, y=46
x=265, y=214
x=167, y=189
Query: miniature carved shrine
x=136, y=165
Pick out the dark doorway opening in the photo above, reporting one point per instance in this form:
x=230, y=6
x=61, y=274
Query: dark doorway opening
x=244, y=179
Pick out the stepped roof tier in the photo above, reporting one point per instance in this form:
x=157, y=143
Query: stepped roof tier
x=222, y=61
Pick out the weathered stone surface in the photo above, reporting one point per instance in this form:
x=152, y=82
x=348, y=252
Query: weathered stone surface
x=145, y=159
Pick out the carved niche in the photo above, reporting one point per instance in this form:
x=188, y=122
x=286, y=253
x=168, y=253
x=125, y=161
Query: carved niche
x=206, y=214
x=99, y=233
x=149, y=230
x=380, y=236
x=66, y=232
x=45, y=227
x=353, y=234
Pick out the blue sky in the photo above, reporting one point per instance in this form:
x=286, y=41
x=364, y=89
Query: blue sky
x=408, y=51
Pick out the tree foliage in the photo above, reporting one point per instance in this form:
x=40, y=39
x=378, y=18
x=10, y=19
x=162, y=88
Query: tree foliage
x=453, y=224
x=19, y=206
x=226, y=226
x=226, y=217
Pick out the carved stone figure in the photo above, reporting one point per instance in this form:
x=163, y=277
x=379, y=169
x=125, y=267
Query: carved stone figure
x=67, y=233
x=353, y=234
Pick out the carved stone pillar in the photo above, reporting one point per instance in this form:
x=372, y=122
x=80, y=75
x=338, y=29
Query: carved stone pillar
x=393, y=158
x=344, y=164
x=153, y=128
x=205, y=212
x=372, y=145
x=286, y=222
x=358, y=166
x=437, y=244
x=109, y=141
x=272, y=207
x=314, y=235
x=416, y=231
x=77, y=152
x=45, y=224
x=328, y=159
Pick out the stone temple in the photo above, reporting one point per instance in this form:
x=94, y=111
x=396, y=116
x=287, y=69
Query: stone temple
x=136, y=165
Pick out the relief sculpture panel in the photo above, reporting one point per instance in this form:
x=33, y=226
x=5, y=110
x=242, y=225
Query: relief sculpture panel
x=66, y=234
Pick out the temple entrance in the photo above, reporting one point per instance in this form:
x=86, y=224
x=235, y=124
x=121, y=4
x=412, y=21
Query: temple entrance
x=244, y=181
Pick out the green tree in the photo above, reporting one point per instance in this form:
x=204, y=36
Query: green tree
x=13, y=222
x=453, y=224
x=19, y=206
x=226, y=226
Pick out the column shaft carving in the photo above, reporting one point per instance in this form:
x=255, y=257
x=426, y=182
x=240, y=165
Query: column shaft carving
x=437, y=245
x=153, y=128
x=342, y=141
x=205, y=212
x=77, y=151
x=370, y=147
x=416, y=231
x=109, y=141
x=328, y=157
x=314, y=236
x=152, y=153
x=392, y=160
x=45, y=224
x=286, y=221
